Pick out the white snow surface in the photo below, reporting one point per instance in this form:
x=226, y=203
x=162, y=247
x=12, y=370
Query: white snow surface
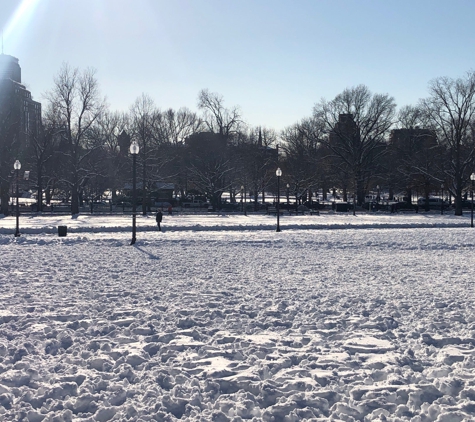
x=221, y=318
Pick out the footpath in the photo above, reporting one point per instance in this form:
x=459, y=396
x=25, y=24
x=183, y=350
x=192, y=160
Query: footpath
x=87, y=223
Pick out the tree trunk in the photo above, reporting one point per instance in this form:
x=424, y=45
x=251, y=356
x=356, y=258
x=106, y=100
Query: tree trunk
x=74, y=200
x=458, y=198
x=144, y=194
x=48, y=195
x=4, y=197
x=360, y=191
x=426, y=196
x=39, y=196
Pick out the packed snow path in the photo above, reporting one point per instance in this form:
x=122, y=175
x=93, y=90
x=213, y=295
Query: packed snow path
x=350, y=325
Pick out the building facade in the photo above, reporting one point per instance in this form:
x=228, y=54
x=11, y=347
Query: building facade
x=20, y=115
x=20, y=123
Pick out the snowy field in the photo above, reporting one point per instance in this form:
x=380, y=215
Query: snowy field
x=220, y=318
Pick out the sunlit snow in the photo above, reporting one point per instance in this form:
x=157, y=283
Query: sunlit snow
x=220, y=318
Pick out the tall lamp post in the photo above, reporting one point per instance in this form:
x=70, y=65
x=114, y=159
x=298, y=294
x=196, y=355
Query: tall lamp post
x=134, y=150
x=472, y=178
x=442, y=199
x=288, y=194
x=17, y=167
x=278, y=173
x=243, y=189
x=242, y=198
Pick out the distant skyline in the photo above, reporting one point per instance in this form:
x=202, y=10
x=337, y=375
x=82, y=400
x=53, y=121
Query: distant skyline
x=273, y=58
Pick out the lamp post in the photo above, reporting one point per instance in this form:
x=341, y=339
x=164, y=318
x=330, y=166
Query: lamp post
x=442, y=199
x=242, y=199
x=288, y=194
x=378, y=197
x=134, y=150
x=278, y=173
x=17, y=167
x=472, y=178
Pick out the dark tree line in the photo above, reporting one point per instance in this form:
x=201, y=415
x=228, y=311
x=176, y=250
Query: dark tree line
x=354, y=142
x=362, y=142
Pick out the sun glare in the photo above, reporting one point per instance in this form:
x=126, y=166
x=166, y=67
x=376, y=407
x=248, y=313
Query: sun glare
x=17, y=24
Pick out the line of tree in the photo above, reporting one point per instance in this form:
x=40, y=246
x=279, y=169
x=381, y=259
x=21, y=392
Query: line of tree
x=354, y=142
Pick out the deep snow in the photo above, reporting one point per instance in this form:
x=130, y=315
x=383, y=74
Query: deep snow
x=221, y=318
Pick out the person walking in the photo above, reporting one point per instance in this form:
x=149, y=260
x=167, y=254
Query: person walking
x=158, y=218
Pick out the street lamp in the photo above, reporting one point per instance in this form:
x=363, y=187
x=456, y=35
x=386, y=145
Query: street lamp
x=442, y=203
x=134, y=150
x=472, y=178
x=243, y=209
x=242, y=198
x=288, y=194
x=278, y=173
x=17, y=167
x=243, y=189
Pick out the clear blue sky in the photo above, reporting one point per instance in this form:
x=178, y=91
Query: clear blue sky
x=273, y=58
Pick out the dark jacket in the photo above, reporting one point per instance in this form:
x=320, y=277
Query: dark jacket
x=159, y=217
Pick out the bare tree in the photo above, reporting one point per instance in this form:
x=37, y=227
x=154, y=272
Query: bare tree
x=410, y=117
x=77, y=104
x=144, y=116
x=356, y=123
x=42, y=146
x=109, y=126
x=450, y=111
x=210, y=165
x=255, y=161
x=414, y=156
x=304, y=156
x=173, y=128
x=217, y=118
x=176, y=126
x=112, y=155
x=327, y=173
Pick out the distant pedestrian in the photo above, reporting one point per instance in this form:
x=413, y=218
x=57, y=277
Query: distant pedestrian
x=170, y=209
x=159, y=219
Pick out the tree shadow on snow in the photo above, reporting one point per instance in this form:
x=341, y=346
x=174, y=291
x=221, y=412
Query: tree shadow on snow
x=150, y=255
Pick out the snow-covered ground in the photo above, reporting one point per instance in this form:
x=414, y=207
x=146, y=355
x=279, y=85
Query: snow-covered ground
x=220, y=318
